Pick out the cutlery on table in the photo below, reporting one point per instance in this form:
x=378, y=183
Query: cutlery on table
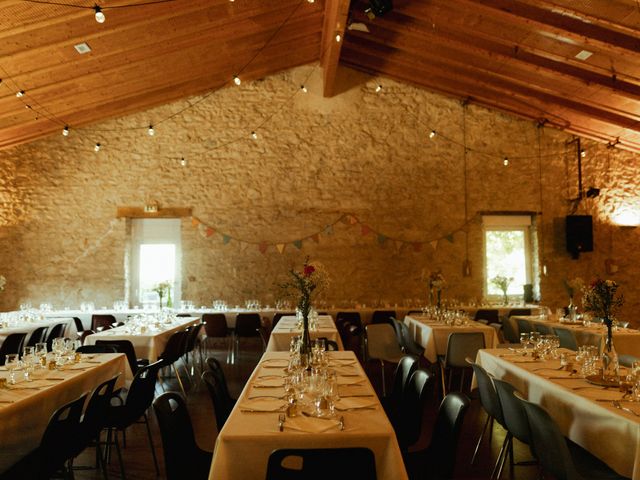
x=281, y=419
x=617, y=404
x=279, y=397
x=358, y=395
x=341, y=422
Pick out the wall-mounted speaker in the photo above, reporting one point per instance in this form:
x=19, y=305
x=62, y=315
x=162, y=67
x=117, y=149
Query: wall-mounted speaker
x=579, y=230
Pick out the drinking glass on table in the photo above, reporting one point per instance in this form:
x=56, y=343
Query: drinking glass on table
x=331, y=390
x=13, y=364
x=525, y=339
x=41, y=353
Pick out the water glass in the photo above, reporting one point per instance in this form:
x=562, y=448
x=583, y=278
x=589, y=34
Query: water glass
x=41, y=353
x=13, y=364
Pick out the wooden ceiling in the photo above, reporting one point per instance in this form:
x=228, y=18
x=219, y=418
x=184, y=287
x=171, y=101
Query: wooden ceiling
x=518, y=56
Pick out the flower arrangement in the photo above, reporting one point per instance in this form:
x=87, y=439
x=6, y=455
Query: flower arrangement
x=602, y=299
x=502, y=282
x=3, y=282
x=572, y=286
x=436, y=285
x=162, y=288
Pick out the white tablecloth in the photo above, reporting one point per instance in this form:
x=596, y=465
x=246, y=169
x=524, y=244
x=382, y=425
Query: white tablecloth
x=245, y=442
x=149, y=345
x=24, y=414
x=610, y=434
x=433, y=336
x=502, y=310
x=286, y=329
x=29, y=327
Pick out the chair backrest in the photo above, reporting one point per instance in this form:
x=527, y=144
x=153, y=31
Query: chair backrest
x=216, y=368
x=12, y=344
x=382, y=341
x=461, y=345
x=94, y=414
x=141, y=392
x=525, y=312
x=101, y=320
x=215, y=324
x=567, y=338
x=446, y=433
x=524, y=326
x=415, y=395
x=79, y=326
x=490, y=315
x=509, y=331
x=515, y=417
x=56, y=331
x=218, y=398
x=96, y=349
x=37, y=336
x=352, y=339
x=264, y=336
x=488, y=395
x=247, y=324
x=383, y=316
x=312, y=463
x=278, y=315
x=543, y=329
x=178, y=440
x=627, y=360
x=192, y=338
x=406, y=342
x=624, y=324
x=549, y=445
x=126, y=347
x=174, y=348
x=406, y=366
x=353, y=317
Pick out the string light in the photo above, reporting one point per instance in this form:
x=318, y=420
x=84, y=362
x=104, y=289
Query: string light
x=100, y=18
x=303, y=88
x=432, y=134
x=254, y=135
x=97, y=147
x=505, y=162
x=20, y=94
x=236, y=80
x=183, y=162
x=583, y=153
x=151, y=131
x=378, y=88
x=311, y=1
x=338, y=38
x=65, y=131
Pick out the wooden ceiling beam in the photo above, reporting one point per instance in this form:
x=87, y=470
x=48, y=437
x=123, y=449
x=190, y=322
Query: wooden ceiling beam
x=516, y=11
x=335, y=23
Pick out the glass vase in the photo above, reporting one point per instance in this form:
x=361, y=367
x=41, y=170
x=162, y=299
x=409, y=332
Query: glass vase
x=305, y=342
x=169, y=301
x=610, y=363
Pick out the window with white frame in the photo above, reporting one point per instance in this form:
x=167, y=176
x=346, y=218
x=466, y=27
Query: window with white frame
x=507, y=246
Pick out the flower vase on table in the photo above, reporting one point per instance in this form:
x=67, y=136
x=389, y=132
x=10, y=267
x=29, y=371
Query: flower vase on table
x=436, y=284
x=610, y=362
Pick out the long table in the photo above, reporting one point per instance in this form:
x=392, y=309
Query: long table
x=286, y=329
x=248, y=437
x=25, y=413
x=584, y=412
x=29, y=327
x=433, y=335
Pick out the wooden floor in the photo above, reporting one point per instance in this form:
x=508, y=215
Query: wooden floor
x=139, y=463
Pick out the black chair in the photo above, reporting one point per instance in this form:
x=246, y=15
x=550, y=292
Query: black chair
x=222, y=405
x=182, y=456
x=350, y=463
x=102, y=322
x=543, y=329
x=133, y=409
x=173, y=351
x=567, y=338
x=56, y=331
x=264, y=336
x=278, y=316
x=406, y=342
x=247, y=325
x=564, y=459
x=408, y=424
x=12, y=344
x=329, y=345
x=192, y=343
x=438, y=460
x=460, y=346
x=353, y=317
x=383, y=316
x=79, y=326
x=215, y=327
x=509, y=331
x=37, y=336
x=215, y=367
x=524, y=325
x=406, y=366
x=627, y=360
x=521, y=312
x=490, y=315
x=352, y=340
x=126, y=347
x=96, y=349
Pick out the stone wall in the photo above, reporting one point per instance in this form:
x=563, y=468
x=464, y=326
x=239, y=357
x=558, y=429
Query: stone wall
x=362, y=153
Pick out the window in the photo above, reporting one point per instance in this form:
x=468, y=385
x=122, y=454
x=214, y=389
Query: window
x=155, y=258
x=507, y=253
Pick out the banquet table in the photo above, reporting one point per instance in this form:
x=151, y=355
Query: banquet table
x=148, y=345
x=503, y=310
x=626, y=340
x=286, y=329
x=433, y=335
x=251, y=433
x=28, y=327
x=25, y=412
x=583, y=411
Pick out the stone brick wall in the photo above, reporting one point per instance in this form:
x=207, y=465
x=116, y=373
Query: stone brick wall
x=362, y=153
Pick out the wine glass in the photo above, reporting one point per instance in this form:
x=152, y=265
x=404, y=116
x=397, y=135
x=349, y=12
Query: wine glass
x=12, y=364
x=41, y=353
x=331, y=392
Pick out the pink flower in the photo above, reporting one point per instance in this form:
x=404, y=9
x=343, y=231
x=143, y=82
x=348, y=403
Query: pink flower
x=308, y=270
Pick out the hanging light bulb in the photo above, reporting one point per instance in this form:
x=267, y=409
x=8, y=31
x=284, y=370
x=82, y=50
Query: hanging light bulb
x=236, y=80
x=254, y=135
x=65, y=131
x=378, y=88
x=338, y=38
x=311, y=1
x=505, y=162
x=97, y=147
x=303, y=88
x=432, y=134
x=583, y=153
x=183, y=162
x=20, y=94
x=100, y=18
x=151, y=131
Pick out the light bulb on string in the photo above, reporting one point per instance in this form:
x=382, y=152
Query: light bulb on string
x=151, y=131
x=236, y=80
x=378, y=88
x=303, y=88
x=97, y=147
x=311, y=1
x=20, y=94
x=432, y=134
x=583, y=153
x=505, y=162
x=338, y=38
x=254, y=135
x=183, y=162
x=100, y=18
x=65, y=131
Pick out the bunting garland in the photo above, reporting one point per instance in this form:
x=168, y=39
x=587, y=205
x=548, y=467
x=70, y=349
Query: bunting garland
x=350, y=220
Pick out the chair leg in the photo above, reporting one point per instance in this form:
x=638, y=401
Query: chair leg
x=384, y=382
x=179, y=380
x=122, y=474
x=506, y=453
x=153, y=449
x=496, y=467
x=462, y=380
x=444, y=388
x=484, y=429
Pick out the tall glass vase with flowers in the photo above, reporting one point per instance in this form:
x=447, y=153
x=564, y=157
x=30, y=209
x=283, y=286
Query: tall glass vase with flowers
x=602, y=299
x=436, y=285
x=304, y=286
x=572, y=286
x=502, y=282
x=162, y=289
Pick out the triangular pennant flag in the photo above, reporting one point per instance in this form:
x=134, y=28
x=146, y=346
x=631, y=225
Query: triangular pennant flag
x=328, y=230
x=280, y=247
x=381, y=239
x=398, y=244
x=263, y=247
x=449, y=237
x=209, y=231
x=195, y=222
x=417, y=247
x=226, y=239
x=202, y=228
x=298, y=244
x=315, y=237
x=243, y=246
x=352, y=220
x=365, y=230
x=434, y=244
x=345, y=219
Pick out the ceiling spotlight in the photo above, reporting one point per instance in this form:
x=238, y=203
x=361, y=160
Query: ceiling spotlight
x=311, y=1
x=100, y=18
x=20, y=94
x=236, y=80
x=505, y=162
x=432, y=134
x=303, y=88
x=254, y=135
x=378, y=88
x=183, y=162
x=378, y=8
x=592, y=192
x=97, y=147
x=151, y=131
x=65, y=131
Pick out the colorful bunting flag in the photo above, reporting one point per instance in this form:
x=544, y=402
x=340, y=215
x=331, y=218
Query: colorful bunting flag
x=226, y=239
x=280, y=247
x=195, y=222
x=449, y=237
x=417, y=247
x=352, y=220
x=365, y=230
x=434, y=244
x=328, y=230
x=381, y=239
x=263, y=247
x=210, y=231
x=298, y=244
x=315, y=237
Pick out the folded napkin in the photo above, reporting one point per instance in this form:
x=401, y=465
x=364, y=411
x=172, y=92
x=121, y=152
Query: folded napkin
x=350, y=380
x=311, y=424
x=353, y=403
x=276, y=362
x=262, y=405
x=269, y=382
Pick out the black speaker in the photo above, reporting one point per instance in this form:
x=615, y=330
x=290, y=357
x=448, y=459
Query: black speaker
x=579, y=234
x=380, y=7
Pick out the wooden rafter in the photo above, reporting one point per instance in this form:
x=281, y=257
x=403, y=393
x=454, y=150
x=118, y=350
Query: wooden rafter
x=335, y=23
